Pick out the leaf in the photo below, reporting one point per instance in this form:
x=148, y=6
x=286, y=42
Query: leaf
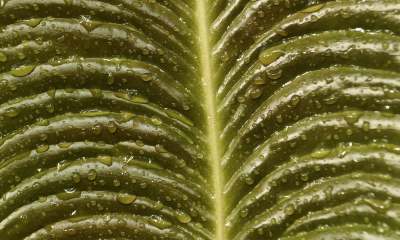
x=199, y=119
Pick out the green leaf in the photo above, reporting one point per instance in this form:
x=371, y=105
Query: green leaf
x=199, y=119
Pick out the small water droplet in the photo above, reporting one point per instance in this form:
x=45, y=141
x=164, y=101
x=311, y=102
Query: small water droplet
x=244, y=212
x=289, y=209
x=182, y=216
x=155, y=120
x=42, y=148
x=112, y=127
x=92, y=174
x=3, y=56
x=295, y=99
x=106, y=160
x=69, y=194
x=269, y=56
x=12, y=112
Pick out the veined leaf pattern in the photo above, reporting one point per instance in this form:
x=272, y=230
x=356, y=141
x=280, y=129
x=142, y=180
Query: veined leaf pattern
x=199, y=119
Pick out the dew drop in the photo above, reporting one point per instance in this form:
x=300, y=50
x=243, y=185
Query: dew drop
x=249, y=180
x=64, y=144
x=155, y=120
x=69, y=194
x=244, y=212
x=256, y=93
x=110, y=79
x=97, y=129
x=22, y=71
x=12, y=112
x=76, y=177
x=240, y=98
x=269, y=56
x=146, y=77
x=295, y=100
x=68, y=2
x=92, y=174
x=70, y=231
x=3, y=56
x=313, y=8
x=43, y=148
x=320, y=151
x=182, y=216
x=289, y=209
x=112, y=127
x=352, y=117
x=304, y=176
x=160, y=223
x=106, y=160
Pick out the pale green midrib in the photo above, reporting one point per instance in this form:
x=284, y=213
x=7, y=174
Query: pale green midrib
x=212, y=121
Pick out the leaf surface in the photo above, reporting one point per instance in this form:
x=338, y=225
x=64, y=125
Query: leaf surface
x=199, y=119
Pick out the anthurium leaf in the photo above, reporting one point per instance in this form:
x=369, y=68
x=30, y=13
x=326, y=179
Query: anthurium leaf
x=199, y=119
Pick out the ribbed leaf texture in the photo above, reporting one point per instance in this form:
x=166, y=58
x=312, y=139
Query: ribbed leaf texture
x=199, y=119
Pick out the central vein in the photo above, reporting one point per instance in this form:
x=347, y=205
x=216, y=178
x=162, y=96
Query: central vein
x=212, y=121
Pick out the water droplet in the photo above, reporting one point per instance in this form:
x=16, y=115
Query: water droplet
x=22, y=71
x=331, y=100
x=12, y=112
x=313, y=8
x=155, y=120
x=125, y=198
x=248, y=180
x=76, y=177
x=274, y=73
x=158, y=205
x=320, y=151
x=160, y=223
x=44, y=122
x=43, y=148
x=3, y=56
x=146, y=77
x=69, y=194
x=352, y=117
x=240, y=98
x=345, y=14
x=68, y=2
x=32, y=22
x=106, y=160
x=96, y=92
x=224, y=57
x=314, y=18
x=269, y=56
x=70, y=231
x=365, y=126
x=259, y=81
x=295, y=100
x=50, y=108
x=116, y=183
x=92, y=174
x=256, y=93
x=21, y=55
x=289, y=209
x=160, y=52
x=244, y=212
x=64, y=144
x=112, y=127
x=304, y=176
x=110, y=79
x=182, y=216
x=179, y=116
x=387, y=111
x=97, y=129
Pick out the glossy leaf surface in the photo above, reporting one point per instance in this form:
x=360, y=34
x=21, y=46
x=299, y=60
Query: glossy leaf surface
x=199, y=119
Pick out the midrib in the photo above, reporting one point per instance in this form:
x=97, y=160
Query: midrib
x=212, y=122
